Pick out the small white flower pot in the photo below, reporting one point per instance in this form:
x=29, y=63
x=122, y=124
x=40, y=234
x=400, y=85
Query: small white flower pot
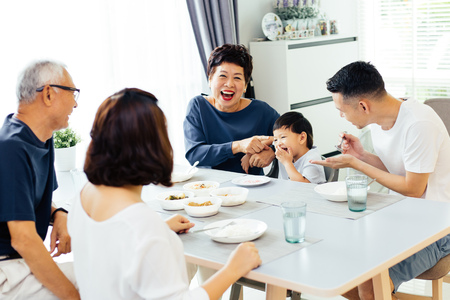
x=65, y=158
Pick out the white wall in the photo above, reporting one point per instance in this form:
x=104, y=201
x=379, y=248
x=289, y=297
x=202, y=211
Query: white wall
x=251, y=13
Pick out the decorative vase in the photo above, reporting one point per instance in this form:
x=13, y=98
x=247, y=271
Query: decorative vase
x=65, y=158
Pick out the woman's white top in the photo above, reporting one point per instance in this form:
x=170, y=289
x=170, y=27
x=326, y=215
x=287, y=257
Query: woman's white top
x=132, y=255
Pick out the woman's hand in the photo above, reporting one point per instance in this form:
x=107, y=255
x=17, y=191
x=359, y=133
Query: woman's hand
x=252, y=145
x=179, y=224
x=244, y=259
x=262, y=159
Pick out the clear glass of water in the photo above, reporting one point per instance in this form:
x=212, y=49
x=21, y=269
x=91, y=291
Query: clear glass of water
x=356, y=192
x=294, y=220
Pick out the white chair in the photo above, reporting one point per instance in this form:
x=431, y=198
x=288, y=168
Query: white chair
x=442, y=107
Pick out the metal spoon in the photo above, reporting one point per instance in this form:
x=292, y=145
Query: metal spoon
x=339, y=147
x=192, y=168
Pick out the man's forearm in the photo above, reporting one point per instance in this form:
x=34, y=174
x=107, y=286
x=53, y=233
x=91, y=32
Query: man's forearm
x=29, y=245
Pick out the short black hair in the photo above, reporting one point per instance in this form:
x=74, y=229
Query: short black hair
x=130, y=144
x=297, y=123
x=230, y=53
x=358, y=79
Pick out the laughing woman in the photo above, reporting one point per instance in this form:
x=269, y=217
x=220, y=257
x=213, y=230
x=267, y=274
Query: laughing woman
x=221, y=128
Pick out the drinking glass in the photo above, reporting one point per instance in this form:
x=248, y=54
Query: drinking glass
x=294, y=220
x=356, y=192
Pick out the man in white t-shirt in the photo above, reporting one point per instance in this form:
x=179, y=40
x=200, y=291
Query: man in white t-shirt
x=411, y=157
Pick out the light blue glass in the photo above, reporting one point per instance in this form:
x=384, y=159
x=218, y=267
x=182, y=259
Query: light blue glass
x=356, y=192
x=294, y=220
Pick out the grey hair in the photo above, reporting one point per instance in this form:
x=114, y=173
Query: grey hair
x=38, y=74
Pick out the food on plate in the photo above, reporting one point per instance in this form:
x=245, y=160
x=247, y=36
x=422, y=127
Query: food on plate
x=207, y=203
x=235, y=230
x=199, y=186
x=228, y=195
x=176, y=197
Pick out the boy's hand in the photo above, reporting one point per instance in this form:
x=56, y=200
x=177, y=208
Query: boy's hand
x=284, y=156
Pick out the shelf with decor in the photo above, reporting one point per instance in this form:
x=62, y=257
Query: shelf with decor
x=292, y=75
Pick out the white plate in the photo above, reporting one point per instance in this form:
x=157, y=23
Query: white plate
x=258, y=228
x=334, y=191
x=250, y=180
x=180, y=175
x=272, y=26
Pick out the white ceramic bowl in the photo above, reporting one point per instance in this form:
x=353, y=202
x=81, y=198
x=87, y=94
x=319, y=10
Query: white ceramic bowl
x=230, y=196
x=201, y=188
x=173, y=204
x=202, y=211
x=333, y=191
x=179, y=173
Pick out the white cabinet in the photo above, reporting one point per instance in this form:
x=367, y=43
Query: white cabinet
x=292, y=75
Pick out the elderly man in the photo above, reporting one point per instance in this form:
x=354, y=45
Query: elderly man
x=411, y=145
x=47, y=96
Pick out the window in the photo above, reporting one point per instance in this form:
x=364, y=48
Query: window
x=107, y=45
x=409, y=42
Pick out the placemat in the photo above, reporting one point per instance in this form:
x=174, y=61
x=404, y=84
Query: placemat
x=271, y=245
x=317, y=204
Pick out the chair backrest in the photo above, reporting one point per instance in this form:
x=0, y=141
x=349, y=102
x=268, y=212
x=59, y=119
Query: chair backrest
x=273, y=172
x=442, y=107
x=330, y=174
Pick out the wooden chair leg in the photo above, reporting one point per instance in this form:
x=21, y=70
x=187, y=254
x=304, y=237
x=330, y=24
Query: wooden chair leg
x=447, y=278
x=437, y=288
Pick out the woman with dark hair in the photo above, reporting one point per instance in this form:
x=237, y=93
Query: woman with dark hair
x=136, y=254
x=220, y=128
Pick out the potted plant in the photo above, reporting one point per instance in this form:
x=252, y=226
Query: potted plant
x=297, y=14
x=65, y=142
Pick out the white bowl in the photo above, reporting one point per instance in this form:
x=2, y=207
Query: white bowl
x=179, y=173
x=202, y=211
x=201, y=188
x=333, y=191
x=173, y=204
x=230, y=196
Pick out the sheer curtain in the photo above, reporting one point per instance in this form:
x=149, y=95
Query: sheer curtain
x=107, y=45
x=409, y=42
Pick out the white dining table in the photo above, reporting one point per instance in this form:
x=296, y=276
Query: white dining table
x=345, y=252
x=348, y=252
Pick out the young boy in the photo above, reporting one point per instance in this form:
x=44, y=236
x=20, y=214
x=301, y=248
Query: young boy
x=293, y=140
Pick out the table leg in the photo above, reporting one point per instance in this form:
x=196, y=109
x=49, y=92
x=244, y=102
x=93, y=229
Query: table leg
x=382, y=286
x=274, y=292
